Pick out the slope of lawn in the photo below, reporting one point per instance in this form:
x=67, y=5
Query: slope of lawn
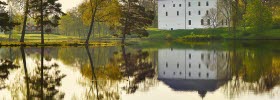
x=210, y=34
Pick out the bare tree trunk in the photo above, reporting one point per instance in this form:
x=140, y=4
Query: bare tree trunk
x=42, y=26
x=245, y=9
x=98, y=27
x=126, y=22
x=123, y=38
x=90, y=29
x=24, y=21
x=235, y=17
x=155, y=13
x=92, y=21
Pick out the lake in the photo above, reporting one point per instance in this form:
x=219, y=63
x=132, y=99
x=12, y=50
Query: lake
x=235, y=70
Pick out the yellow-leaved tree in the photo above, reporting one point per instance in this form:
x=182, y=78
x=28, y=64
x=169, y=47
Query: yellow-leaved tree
x=103, y=11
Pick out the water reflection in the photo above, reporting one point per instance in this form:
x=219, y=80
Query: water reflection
x=44, y=79
x=113, y=73
x=136, y=68
x=193, y=70
x=5, y=67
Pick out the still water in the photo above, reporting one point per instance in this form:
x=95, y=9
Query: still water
x=193, y=71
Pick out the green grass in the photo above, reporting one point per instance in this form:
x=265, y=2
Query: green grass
x=50, y=40
x=210, y=34
x=38, y=36
x=269, y=34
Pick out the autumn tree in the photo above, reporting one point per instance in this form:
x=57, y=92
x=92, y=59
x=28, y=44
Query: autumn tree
x=258, y=16
x=72, y=23
x=46, y=12
x=274, y=6
x=106, y=11
x=134, y=18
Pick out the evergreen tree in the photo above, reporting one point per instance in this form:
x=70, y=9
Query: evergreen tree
x=134, y=18
x=46, y=12
x=5, y=23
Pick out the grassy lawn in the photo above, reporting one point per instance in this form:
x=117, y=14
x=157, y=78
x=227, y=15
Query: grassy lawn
x=210, y=34
x=38, y=37
x=50, y=40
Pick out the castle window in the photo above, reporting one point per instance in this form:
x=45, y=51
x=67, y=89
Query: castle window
x=202, y=56
x=208, y=21
x=222, y=22
x=180, y=73
x=166, y=13
x=207, y=3
x=207, y=12
x=177, y=13
x=180, y=5
x=190, y=13
x=207, y=75
x=208, y=56
x=190, y=22
x=207, y=66
x=173, y=5
x=199, y=66
x=166, y=64
x=178, y=65
x=190, y=65
x=202, y=22
x=199, y=12
x=163, y=5
x=163, y=73
x=189, y=4
x=199, y=74
x=190, y=74
x=190, y=56
x=174, y=73
x=198, y=3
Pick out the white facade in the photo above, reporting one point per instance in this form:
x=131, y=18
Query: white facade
x=192, y=64
x=183, y=14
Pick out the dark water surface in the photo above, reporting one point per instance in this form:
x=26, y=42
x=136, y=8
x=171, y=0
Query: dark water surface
x=153, y=71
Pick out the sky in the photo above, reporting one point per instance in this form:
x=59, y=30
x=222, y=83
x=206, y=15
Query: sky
x=67, y=4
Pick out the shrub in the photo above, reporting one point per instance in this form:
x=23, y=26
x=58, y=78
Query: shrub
x=276, y=23
x=168, y=37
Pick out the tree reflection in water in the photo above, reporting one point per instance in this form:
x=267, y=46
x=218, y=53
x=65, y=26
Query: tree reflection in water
x=44, y=80
x=103, y=79
x=136, y=67
x=94, y=78
x=5, y=66
x=25, y=72
x=254, y=69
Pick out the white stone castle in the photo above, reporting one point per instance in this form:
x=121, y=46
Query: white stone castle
x=185, y=14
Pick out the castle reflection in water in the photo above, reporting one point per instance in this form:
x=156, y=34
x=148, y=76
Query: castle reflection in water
x=193, y=70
